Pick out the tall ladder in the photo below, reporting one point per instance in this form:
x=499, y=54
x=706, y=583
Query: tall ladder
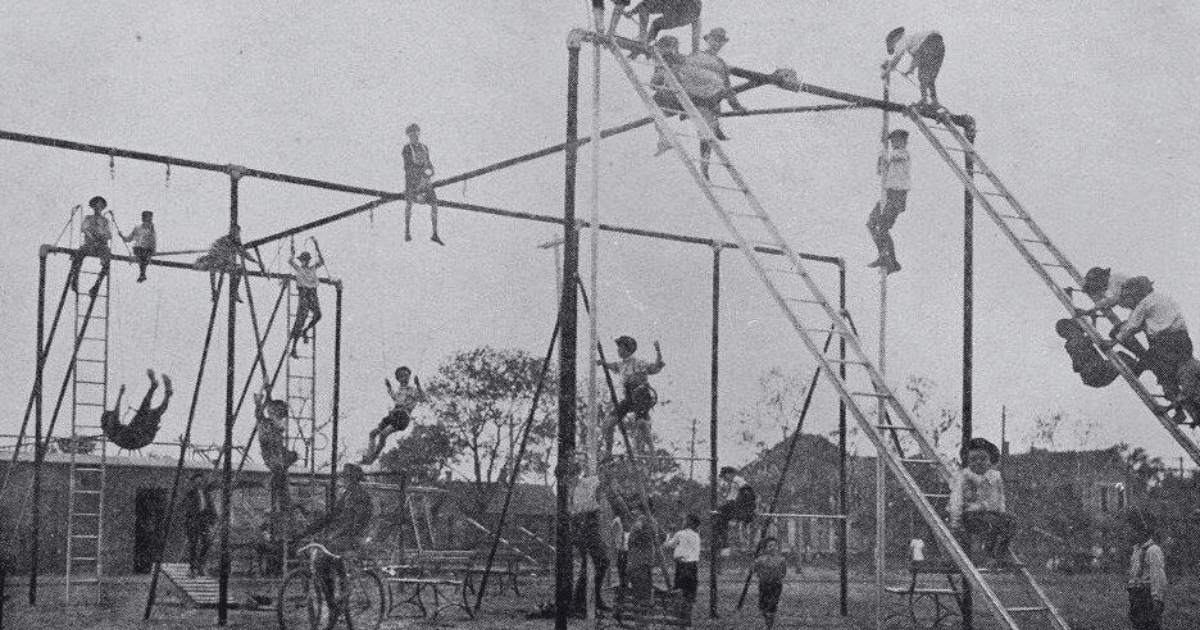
x=810, y=314
x=1035, y=246
x=89, y=399
x=301, y=377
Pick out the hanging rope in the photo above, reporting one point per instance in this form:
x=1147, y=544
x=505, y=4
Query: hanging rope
x=165, y=526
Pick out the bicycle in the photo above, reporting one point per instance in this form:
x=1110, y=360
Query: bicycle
x=303, y=602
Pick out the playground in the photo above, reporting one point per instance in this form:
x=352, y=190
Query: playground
x=698, y=214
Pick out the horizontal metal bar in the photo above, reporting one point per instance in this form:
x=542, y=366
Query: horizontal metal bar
x=54, y=249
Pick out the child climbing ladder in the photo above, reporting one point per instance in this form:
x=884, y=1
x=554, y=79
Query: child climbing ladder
x=306, y=289
x=639, y=396
x=405, y=398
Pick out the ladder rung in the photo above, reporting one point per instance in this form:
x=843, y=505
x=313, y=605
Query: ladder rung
x=723, y=187
x=95, y=339
x=1034, y=240
x=960, y=150
x=88, y=404
x=992, y=193
x=803, y=300
x=1015, y=216
x=85, y=514
x=81, y=382
x=918, y=460
x=83, y=559
x=936, y=495
x=78, y=360
x=89, y=536
x=1026, y=609
x=894, y=427
x=871, y=394
x=847, y=361
x=1050, y=264
x=823, y=330
x=87, y=491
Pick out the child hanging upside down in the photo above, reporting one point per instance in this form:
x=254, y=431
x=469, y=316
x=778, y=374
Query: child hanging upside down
x=306, y=289
x=639, y=396
x=141, y=430
x=405, y=397
x=977, y=506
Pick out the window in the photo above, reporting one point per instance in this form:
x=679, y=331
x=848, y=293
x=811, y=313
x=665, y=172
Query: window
x=1111, y=497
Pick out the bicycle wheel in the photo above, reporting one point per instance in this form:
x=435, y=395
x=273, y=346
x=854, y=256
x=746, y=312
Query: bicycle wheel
x=299, y=604
x=367, y=600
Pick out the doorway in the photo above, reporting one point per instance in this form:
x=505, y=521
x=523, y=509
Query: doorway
x=150, y=508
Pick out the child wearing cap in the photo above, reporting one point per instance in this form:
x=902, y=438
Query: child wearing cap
x=1104, y=286
x=96, y=235
x=893, y=168
x=927, y=50
x=418, y=182
x=639, y=397
x=771, y=567
x=1169, y=345
x=977, y=505
x=145, y=241
x=404, y=398
x=306, y=295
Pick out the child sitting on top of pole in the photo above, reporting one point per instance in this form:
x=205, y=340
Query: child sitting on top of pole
x=405, y=398
x=96, y=235
x=639, y=396
x=145, y=241
x=418, y=182
x=225, y=256
x=893, y=168
x=306, y=290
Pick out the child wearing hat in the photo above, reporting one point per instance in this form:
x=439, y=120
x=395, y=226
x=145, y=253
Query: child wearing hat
x=977, y=506
x=418, y=181
x=927, y=51
x=639, y=397
x=1104, y=287
x=306, y=295
x=96, y=235
x=708, y=61
x=893, y=168
x=145, y=242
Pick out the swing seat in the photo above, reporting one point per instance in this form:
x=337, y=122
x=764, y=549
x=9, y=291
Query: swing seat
x=139, y=433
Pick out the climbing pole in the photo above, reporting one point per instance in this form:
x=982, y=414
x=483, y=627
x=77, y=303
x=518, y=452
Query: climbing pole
x=809, y=312
x=88, y=468
x=1058, y=273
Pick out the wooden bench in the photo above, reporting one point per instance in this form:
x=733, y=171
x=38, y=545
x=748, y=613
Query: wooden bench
x=946, y=601
x=449, y=576
x=662, y=611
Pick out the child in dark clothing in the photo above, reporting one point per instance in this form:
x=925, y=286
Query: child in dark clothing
x=641, y=557
x=1087, y=362
x=771, y=567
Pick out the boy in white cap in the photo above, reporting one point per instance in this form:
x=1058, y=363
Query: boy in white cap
x=418, y=182
x=893, y=168
x=927, y=51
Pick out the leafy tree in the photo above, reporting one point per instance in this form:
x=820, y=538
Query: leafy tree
x=422, y=455
x=481, y=398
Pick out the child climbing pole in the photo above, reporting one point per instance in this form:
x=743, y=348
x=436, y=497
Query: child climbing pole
x=199, y=517
x=141, y=430
x=927, y=50
x=145, y=242
x=96, y=236
x=306, y=289
x=404, y=398
x=639, y=396
x=739, y=502
x=225, y=256
x=418, y=182
x=271, y=416
x=893, y=169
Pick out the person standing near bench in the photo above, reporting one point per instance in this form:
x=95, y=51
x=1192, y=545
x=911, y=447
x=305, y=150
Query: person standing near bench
x=586, y=537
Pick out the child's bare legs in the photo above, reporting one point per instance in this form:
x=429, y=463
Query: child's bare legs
x=376, y=442
x=145, y=406
x=408, y=216
x=433, y=218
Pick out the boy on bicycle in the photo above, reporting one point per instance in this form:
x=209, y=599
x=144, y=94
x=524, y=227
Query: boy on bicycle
x=344, y=528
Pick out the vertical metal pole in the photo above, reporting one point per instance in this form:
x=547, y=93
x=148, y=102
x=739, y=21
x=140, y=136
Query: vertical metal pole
x=227, y=446
x=337, y=395
x=591, y=434
x=968, y=422
x=713, y=552
x=880, y=469
x=568, y=312
x=36, y=516
x=844, y=527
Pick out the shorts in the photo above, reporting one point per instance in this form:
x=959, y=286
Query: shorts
x=397, y=419
x=306, y=299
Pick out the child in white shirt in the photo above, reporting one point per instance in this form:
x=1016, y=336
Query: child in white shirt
x=977, y=508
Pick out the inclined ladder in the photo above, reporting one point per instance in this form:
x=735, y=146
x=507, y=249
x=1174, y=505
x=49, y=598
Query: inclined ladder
x=1035, y=246
x=810, y=313
x=89, y=399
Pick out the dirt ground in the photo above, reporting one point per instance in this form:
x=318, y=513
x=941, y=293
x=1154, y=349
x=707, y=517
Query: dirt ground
x=1091, y=602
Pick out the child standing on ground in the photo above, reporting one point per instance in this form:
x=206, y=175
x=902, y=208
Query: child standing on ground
x=145, y=242
x=404, y=398
x=639, y=396
x=771, y=567
x=893, y=168
x=977, y=506
x=641, y=557
x=1147, y=575
x=685, y=547
x=306, y=295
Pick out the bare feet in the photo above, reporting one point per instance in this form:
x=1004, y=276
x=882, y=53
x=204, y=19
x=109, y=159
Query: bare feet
x=437, y=240
x=167, y=384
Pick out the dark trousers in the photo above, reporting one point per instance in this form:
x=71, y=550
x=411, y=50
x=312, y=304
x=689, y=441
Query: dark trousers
x=928, y=58
x=883, y=217
x=100, y=251
x=741, y=510
x=623, y=568
x=641, y=584
x=994, y=529
x=687, y=580
x=143, y=255
x=1165, y=353
x=586, y=540
x=1144, y=612
x=307, y=304
x=768, y=596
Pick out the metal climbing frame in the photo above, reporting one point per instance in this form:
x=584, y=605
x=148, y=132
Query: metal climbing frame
x=1058, y=273
x=809, y=313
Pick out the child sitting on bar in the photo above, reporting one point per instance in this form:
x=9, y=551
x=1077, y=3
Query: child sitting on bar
x=977, y=507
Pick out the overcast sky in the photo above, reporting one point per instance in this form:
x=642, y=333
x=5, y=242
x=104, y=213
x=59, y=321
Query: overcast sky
x=1085, y=109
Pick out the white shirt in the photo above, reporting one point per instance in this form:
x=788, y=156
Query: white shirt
x=306, y=277
x=583, y=495
x=1152, y=571
x=916, y=550
x=95, y=230
x=893, y=168
x=686, y=545
x=406, y=397
x=143, y=236
x=1157, y=313
x=1111, y=295
x=634, y=371
x=976, y=493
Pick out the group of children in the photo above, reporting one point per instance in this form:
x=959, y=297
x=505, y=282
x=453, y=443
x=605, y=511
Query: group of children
x=97, y=235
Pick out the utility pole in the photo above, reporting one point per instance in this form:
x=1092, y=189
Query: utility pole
x=692, y=452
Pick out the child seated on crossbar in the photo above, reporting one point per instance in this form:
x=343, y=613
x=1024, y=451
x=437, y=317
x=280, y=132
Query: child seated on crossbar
x=405, y=398
x=977, y=507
